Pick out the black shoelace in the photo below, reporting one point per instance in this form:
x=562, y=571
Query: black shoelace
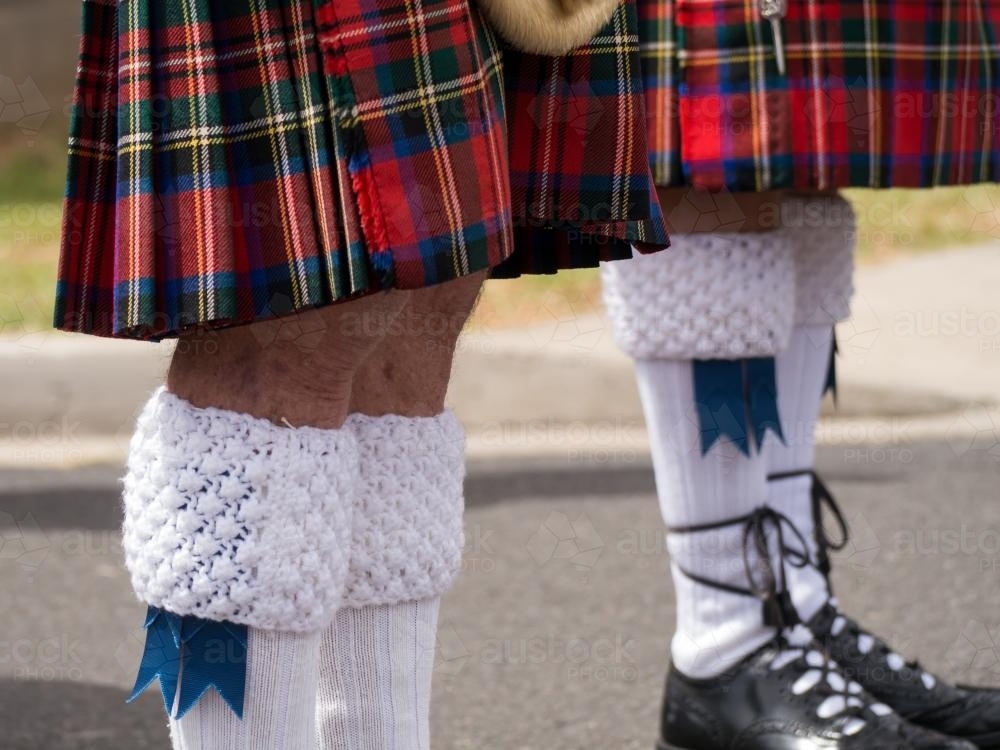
x=766, y=581
x=823, y=502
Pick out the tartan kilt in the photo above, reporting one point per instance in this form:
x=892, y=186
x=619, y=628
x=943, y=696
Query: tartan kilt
x=232, y=161
x=877, y=93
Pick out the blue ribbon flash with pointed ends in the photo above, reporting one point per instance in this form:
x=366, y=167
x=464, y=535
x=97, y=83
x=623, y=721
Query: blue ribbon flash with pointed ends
x=762, y=388
x=736, y=399
x=190, y=655
x=831, y=372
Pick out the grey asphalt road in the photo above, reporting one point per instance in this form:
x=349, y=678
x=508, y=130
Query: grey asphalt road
x=556, y=635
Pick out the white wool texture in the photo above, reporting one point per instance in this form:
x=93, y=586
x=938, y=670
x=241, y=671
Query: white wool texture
x=824, y=234
x=706, y=297
x=229, y=517
x=408, y=534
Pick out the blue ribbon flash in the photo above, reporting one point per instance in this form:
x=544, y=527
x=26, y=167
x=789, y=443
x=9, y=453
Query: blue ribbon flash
x=190, y=655
x=762, y=387
x=736, y=399
x=831, y=372
x=720, y=402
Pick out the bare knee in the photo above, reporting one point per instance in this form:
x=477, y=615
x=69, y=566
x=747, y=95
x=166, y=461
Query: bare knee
x=297, y=369
x=409, y=370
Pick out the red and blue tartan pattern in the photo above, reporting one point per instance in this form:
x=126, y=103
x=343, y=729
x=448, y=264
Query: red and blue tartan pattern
x=878, y=93
x=233, y=161
x=570, y=118
x=250, y=158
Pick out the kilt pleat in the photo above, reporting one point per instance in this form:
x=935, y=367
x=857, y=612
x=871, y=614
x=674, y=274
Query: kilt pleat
x=230, y=161
x=233, y=160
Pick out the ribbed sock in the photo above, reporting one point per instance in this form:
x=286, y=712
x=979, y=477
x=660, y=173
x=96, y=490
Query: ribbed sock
x=280, y=704
x=375, y=686
x=715, y=629
x=801, y=372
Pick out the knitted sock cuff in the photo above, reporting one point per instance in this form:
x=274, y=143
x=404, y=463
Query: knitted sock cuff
x=825, y=235
x=707, y=297
x=229, y=517
x=408, y=535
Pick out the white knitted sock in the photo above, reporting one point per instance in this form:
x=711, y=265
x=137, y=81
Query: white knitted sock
x=801, y=375
x=407, y=529
x=375, y=686
x=715, y=628
x=279, y=706
x=824, y=269
x=236, y=519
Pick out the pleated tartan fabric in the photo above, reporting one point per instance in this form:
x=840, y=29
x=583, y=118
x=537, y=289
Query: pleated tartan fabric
x=231, y=161
x=878, y=93
x=569, y=118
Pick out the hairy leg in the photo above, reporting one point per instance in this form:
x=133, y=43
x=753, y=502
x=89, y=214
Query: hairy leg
x=409, y=374
x=386, y=357
x=297, y=370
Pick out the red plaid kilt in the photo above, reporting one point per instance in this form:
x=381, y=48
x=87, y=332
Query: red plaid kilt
x=231, y=161
x=878, y=93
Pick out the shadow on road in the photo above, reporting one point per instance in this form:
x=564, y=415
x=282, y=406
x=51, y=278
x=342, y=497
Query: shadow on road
x=78, y=716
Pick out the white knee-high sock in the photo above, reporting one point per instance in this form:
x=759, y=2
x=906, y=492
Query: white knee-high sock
x=709, y=297
x=824, y=269
x=715, y=628
x=234, y=519
x=375, y=687
x=378, y=655
x=279, y=706
x=801, y=373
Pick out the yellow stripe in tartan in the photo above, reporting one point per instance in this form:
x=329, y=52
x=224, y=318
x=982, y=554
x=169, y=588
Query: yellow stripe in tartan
x=942, y=130
x=445, y=181
x=130, y=249
x=798, y=52
x=223, y=138
x=92, y=152
x=378, y=109
x=621, y=192
x=318, y=185
x=757, y=81
x=196, y=169
x=277, y=144
x=988, y=67
x=871, y=50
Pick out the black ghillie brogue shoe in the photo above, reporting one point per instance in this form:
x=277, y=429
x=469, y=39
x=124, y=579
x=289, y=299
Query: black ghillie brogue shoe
x=912, y=692
x=788, y=695
x=970, y=713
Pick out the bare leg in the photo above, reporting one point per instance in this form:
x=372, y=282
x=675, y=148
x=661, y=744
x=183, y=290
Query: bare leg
x=410, y=373
x=262, y=370
x=410, y=509
x=249, y=466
